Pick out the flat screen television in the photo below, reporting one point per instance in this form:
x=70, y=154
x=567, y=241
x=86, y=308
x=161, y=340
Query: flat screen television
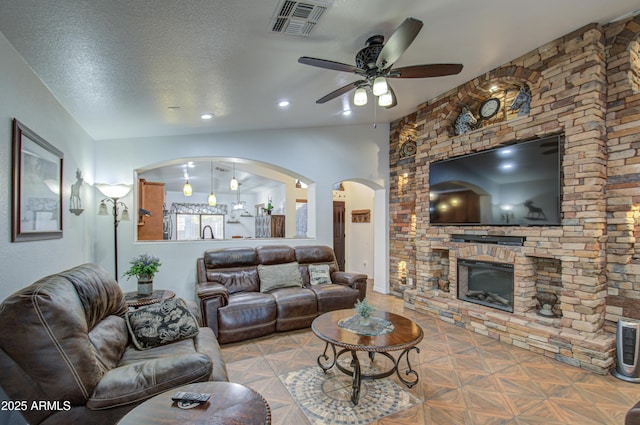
x=513, y=185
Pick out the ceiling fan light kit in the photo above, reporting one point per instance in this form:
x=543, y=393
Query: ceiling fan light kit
x=380, y=86
x=385, y=99
x=360, y=97
x=374, y=64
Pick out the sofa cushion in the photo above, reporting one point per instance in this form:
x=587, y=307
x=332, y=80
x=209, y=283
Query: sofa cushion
x=248, y=315
x=205, y=343
x=319, y=273
x=236, y=280
x=275, y=254
x=279, y=276
x=297, y=307
x=138, y=381
x=110, y=338
x=334, y=297
x=161, y=323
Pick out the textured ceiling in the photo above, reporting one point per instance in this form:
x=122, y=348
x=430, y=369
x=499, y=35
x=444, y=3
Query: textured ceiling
x=119, y=67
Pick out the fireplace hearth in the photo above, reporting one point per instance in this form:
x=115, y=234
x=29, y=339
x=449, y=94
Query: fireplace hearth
x=486, y=283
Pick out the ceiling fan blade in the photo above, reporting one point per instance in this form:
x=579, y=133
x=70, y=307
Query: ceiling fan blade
x=399, y=41
x=393, y=95
x=425, y=71
x=336, y=66
x=340, y=91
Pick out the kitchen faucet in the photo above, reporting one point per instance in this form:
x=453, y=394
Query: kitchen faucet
x=205, y=228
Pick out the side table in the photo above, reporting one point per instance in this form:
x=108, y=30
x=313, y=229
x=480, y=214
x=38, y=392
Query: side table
x=134, y=300
x=230, y=403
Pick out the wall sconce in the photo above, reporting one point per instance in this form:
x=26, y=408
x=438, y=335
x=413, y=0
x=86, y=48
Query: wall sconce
x=113, y=193
x=75, y=203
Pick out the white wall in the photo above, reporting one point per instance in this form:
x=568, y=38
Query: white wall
x=359, y=239
x=323, y=155
x=25, y=97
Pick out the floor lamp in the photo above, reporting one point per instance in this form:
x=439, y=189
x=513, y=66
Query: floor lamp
x=113, y=193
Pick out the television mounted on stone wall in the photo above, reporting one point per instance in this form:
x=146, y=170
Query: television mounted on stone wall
x=516, y=184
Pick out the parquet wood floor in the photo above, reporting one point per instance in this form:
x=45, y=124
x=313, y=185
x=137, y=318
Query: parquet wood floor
x=465, y=378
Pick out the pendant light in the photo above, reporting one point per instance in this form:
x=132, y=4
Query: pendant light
x=212, y=198
x=233, y=184
x=187, y=190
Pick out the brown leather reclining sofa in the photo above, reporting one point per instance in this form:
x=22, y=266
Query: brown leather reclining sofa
x=66, y=354
x=232, y=304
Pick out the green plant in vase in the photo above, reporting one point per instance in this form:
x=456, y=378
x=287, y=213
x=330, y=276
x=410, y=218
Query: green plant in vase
x=364, y=310
x=144, y=267
x=268, y=208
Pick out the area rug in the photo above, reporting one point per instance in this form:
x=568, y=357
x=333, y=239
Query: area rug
x=326, y=398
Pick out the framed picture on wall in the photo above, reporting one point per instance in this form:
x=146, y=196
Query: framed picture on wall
x=37, y=187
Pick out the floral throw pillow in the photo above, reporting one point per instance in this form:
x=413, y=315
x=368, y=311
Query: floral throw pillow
x=319, y=274
x=161, y=323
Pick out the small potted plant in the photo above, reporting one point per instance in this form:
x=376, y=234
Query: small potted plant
x=364, y=310
x=144, y=267
x=269, y=207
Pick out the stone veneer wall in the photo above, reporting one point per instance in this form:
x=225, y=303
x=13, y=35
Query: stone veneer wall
x=584, y=86
x=623, y=181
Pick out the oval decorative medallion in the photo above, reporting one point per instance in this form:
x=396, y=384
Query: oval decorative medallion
x=409, y=148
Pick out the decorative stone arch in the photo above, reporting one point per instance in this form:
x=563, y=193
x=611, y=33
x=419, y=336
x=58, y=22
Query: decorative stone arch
x=474, y=92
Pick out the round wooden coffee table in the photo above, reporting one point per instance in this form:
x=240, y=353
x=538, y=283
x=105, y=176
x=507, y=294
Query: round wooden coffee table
x=402, y=335
x=229, y=404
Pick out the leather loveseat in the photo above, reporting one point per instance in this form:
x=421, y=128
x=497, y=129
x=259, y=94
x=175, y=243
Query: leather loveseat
x=66, y=354
x=633, y=415
x=236, y=305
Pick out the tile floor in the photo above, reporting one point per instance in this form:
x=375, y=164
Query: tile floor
x=465, y=378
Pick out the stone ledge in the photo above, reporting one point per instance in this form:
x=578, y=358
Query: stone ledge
x=595, y=353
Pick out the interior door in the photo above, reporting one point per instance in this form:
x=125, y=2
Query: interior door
x=338, y=232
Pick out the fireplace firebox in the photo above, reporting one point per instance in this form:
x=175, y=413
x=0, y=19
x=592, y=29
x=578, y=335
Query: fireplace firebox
x=486, y=283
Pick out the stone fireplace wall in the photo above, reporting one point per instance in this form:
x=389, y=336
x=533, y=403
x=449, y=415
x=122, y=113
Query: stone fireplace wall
x=585, y=86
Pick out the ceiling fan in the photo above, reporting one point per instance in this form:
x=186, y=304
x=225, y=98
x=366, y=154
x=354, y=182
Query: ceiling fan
x=374, y=64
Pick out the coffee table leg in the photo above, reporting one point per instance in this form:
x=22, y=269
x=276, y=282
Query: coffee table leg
x=355, y=395
x=409, y=371
x=322, y=358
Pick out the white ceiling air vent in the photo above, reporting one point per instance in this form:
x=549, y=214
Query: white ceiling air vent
x=298, y=17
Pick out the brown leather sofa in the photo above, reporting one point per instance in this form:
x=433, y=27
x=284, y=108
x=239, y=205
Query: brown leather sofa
x=633, y=415
x=232, y=304
x=64, y=345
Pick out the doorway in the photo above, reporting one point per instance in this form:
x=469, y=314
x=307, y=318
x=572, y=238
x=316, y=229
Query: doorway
x=339, y=233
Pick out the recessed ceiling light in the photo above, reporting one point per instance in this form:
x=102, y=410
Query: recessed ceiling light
x=284, y=103
x=206, y=116
x=507, y=166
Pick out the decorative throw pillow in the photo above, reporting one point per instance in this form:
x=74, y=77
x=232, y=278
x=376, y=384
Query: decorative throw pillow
x=161, y=323
x=279, y=276
x=319, y=273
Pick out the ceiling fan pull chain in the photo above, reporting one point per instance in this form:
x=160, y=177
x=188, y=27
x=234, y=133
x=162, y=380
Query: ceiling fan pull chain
x=375, y=114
